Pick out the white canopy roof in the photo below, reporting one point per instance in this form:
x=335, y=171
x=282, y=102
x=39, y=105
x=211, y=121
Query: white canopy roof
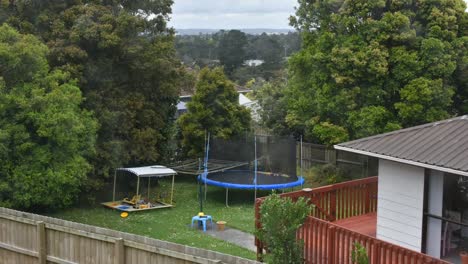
x=150, y=171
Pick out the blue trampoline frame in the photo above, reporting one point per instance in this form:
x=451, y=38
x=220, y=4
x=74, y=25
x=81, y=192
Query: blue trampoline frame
x=203, y=178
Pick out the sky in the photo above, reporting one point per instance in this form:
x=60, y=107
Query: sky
x=232, y=14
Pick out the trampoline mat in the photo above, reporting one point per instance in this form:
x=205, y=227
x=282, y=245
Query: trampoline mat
x=247, y=178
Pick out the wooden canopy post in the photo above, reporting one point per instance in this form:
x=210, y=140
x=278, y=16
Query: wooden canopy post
x=172, y=188
x=138, y=185
x=149, y=178
x=115, y=179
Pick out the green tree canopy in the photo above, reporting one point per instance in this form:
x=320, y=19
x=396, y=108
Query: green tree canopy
x=231, y=50
x=122, y=55
x=215, y=109
x=370, y=66
x=272, y=106
x=45, y=136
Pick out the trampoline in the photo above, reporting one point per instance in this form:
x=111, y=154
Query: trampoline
x=251, y=163
x=243, y=179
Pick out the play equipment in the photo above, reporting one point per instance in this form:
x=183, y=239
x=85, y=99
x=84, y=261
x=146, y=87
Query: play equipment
x=138, y=202
x=251, y=163
x=221, y=225
x=201, y=219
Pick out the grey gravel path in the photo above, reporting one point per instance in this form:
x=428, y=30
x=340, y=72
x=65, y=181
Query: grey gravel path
x=235, y=236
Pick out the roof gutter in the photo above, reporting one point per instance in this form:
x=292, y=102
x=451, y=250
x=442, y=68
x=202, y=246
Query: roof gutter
x=409, y=162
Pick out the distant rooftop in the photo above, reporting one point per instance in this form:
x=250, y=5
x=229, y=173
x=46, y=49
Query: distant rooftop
x=239, y=89
x=441, y=145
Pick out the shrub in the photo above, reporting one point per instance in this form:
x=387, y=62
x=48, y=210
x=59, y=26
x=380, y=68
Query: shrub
x=329, y=174
x=281, y=218
x=359, y=254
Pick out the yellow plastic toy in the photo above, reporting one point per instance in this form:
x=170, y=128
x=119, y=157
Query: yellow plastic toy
x=124, y=215
x=133, y=201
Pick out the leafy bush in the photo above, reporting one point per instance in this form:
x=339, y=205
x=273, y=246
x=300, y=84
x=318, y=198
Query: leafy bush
x=329, y=174
x=281, y=218
x=359, y=254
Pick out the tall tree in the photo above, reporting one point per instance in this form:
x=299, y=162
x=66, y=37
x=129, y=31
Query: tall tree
x=215, y=109
x=122, y=54
x=268, y=49
x=46, y=139
x=273, y=106
x=370, y=66
x=231, y=50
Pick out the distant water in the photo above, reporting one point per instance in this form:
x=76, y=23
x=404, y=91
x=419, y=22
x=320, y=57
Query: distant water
x=252, y=31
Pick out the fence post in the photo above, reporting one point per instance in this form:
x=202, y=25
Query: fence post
x=333, y=206
x=41, y=243
x=368, y=197
x=331, y=244
x=376, y=253
x=119, y=251
x=330, y=156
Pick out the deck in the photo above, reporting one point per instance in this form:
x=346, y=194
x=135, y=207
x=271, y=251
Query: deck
x=344, y=214
x=363, y=224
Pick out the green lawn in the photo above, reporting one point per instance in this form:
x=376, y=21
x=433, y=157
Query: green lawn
x=173, y=224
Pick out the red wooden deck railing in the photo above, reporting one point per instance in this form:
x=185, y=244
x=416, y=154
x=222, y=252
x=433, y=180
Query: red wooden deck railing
x=326, y=242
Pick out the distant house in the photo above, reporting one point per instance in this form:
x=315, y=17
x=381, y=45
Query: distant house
x=182, y=105
x=253, y=63
x=253, y=106
x=422, y=185
x=243, y=100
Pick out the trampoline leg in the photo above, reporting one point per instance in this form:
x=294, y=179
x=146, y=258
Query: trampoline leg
x=227, y=197
x=206, y=188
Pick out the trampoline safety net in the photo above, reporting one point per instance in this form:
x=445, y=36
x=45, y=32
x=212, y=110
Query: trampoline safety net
x=276, y=156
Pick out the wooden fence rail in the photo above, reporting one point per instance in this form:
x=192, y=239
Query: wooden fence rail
x=309, y=155
x=328, y=243
x=28, y=238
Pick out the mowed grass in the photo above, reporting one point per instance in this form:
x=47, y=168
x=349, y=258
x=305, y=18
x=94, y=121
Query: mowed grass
x=173, y=224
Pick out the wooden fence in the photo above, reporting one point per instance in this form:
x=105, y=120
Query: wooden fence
x=28, y=238
x=355, y=165
x=326, y=242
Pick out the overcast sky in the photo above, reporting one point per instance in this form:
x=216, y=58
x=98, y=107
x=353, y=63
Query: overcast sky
x=228, y=14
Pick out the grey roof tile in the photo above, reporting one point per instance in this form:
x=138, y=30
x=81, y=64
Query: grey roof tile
x=443, y=144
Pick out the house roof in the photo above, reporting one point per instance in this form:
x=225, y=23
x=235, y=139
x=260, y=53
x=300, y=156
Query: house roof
x=243, y=100
x=441, y=145
x=181, y=106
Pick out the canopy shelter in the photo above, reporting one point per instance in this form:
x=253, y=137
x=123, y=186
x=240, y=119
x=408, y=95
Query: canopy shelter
x=142, y=200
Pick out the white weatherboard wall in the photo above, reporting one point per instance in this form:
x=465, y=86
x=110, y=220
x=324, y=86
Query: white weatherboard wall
x=400, y=204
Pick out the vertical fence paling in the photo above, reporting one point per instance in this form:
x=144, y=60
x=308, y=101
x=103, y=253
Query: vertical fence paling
x=333, y=244
x=28, y=238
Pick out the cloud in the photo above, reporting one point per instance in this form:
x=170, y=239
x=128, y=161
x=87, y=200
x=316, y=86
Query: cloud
x=228, y=14
x=232, y=6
